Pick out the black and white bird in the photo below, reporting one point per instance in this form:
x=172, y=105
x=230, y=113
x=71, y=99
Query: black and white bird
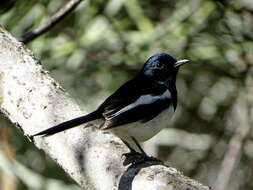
x=140, y=108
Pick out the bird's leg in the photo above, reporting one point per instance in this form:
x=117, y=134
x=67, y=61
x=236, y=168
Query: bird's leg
x=131, y=157
x=145, y=157
x=139, y=146
x=128, y=146
x=134, y=157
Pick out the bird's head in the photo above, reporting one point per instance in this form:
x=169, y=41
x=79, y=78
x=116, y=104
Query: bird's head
x=162, y=68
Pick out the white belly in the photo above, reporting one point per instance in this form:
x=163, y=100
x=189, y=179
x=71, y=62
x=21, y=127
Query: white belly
x=144, y=131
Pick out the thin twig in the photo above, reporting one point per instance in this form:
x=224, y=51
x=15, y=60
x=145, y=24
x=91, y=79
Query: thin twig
x=57, y=17
x=235, y=145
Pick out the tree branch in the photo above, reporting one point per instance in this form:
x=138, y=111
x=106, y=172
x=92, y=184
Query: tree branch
x=57, y=17
x=31, y=99
x=241, y=118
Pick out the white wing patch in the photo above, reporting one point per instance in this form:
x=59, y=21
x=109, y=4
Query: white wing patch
x=142, y=100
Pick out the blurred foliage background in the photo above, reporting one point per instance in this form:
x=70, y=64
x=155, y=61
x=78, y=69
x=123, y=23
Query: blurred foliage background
x=102, y=44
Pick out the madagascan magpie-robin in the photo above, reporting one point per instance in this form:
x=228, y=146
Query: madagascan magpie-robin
x=140, y=108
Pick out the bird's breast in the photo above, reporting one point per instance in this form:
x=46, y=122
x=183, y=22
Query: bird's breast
x=144, y=131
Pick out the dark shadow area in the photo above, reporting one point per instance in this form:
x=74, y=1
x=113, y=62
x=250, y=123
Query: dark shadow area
x=128, y=176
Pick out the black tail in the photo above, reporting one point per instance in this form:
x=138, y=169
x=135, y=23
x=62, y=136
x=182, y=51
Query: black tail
x=69, y=124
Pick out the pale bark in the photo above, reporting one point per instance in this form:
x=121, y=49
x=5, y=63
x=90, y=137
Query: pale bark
x=32, y=100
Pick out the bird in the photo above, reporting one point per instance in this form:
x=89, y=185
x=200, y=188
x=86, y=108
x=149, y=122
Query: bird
x=137, y=110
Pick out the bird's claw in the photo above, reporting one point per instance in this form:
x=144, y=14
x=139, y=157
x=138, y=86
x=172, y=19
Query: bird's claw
x=137, y=158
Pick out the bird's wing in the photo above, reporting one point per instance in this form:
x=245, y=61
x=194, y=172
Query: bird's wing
x=136, y=113
x=133, y=102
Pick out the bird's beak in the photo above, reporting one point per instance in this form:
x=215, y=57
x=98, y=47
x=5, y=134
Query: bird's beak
x=180, y=63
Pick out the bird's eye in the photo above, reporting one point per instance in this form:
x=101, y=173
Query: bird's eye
x=159, y=65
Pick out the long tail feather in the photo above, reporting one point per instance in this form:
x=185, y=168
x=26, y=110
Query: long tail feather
x=69, y=124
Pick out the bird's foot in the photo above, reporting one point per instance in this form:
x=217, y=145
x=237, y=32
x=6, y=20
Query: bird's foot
x=134, y=158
